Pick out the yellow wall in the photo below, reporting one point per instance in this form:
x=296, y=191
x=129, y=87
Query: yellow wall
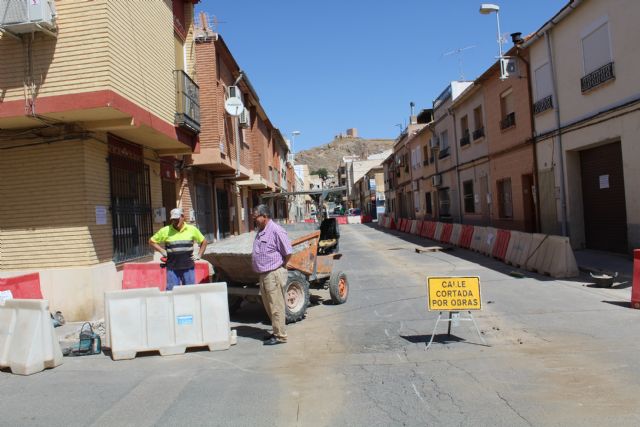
x=124, y=46
x=141, y=50
x=45, y=210
x=77, y=61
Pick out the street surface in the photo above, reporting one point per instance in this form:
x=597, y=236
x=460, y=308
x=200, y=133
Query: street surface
x=560, y=353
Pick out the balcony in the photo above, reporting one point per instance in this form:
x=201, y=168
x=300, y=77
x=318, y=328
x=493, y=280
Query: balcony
x=425, y=162
x=543, y=104
x=508, y=121
x=187, y=102
x=443, y=153
x=466, y=139
x=597, y=77
x=478, y=133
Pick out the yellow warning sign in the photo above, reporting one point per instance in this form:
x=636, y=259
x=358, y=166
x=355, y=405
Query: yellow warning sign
x=454, y=293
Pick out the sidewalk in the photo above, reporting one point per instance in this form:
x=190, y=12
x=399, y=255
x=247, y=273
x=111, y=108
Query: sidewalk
x=605, y=262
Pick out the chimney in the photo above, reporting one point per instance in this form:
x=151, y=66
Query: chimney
x=517, y=39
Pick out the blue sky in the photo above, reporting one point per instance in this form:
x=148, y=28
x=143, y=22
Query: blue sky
x=322, y=67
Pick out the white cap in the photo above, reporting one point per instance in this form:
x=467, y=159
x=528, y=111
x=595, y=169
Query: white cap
x=176, y=213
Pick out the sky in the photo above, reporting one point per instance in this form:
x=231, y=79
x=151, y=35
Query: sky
x=325, y=66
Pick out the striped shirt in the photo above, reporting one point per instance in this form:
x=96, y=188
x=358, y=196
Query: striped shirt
x=270, y=248
x=179, y=245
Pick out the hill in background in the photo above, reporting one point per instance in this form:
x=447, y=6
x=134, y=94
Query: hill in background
x=329, y=155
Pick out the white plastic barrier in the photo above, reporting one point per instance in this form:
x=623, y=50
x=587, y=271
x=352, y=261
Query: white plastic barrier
x=455, y=234
x=414, y=226
x=354, y=219
x=438, y=233
x=28, y=343
x=479, y=236
x=519, y=249
x=489, y=240
x=169, y=322
x=552, y=255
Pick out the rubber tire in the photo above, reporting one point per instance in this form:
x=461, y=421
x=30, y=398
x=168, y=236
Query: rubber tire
x=334, y=287
x=295, y=278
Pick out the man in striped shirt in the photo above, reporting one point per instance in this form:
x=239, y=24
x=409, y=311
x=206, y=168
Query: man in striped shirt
x=178, y=238
x=271, y=253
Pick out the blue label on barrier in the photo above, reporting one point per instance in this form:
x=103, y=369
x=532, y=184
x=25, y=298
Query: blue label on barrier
x=185, y=320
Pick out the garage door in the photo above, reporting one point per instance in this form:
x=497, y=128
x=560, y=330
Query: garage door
x=605, y=213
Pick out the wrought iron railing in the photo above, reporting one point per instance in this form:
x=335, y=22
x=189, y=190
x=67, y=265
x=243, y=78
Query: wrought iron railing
x=466, y=139
x=597, y=77
x=187, y=102
x=443, y=153
x=508, y=121
x=478, y=133
x=543, y=104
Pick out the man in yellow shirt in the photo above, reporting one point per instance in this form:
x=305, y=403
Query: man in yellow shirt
x=178, y=238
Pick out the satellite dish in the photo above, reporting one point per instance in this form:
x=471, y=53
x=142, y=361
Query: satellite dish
x=234, y=106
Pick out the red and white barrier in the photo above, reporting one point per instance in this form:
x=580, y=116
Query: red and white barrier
x=501, y=244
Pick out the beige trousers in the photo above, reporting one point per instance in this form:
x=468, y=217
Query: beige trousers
x=272, y=290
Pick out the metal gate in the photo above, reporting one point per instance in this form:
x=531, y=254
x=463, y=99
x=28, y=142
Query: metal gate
x=204, y=211
x=223, y=214
x=605, y=209
x=131, y=212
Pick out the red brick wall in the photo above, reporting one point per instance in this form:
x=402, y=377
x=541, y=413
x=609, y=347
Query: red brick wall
x=510, y=154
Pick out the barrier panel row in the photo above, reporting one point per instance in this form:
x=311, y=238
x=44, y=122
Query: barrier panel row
x=28, y=343
x=137, y=275
x=26, y=286
x=354, y=219
x=140, y=320
x=545, y=254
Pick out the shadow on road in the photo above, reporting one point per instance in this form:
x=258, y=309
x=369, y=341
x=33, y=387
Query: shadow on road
x=251, y=332
x=625, y=304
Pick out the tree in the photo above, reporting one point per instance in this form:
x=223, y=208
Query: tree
x=322, y=173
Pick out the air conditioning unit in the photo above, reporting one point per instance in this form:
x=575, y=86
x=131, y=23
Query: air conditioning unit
x=434, y=142
x=436, y=180
x=508, y=67
x=27, y=16
x=234, y=92
x=245, y=119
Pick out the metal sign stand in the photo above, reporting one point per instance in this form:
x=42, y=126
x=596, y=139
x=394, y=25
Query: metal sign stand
x=454, y=317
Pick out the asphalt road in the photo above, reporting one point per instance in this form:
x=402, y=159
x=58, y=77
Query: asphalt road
x=558, y=353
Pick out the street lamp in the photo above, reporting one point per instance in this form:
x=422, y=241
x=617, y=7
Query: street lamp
x=293, y=139
x=487, y=9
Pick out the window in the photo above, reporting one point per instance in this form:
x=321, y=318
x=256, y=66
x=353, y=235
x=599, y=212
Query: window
x=444, y=202
x=428, y=205
x=596, y=50
x=543, y=81
x=597, y=57
x=464, y=128
x=544, y=89
x=478, y=131
x=505, y=205
x=132, y=223
x=425, y=155
x=469, y=204
x=444, y=144
x=507, y=110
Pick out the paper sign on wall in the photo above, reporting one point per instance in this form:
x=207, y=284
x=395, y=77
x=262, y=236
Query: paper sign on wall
x=604, y=181
x=101, y=215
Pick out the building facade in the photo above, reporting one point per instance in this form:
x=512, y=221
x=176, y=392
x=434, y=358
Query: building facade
x=585, y=94
x=85, y=128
